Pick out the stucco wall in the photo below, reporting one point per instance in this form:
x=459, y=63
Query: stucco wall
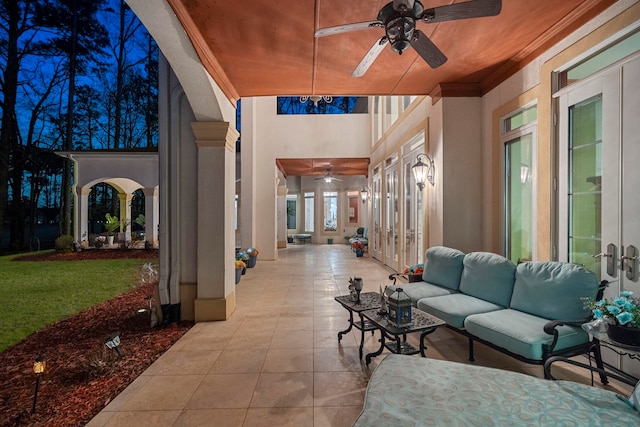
x=270, y=136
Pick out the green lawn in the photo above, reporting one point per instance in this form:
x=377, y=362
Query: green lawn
x=34, y=294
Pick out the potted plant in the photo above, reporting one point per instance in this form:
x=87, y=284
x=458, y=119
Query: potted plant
x=414, y=273
x=240, y=266
x=112, y=224
x=358, y=247
x=244, y=257
x=253, y=257
x=621, y=315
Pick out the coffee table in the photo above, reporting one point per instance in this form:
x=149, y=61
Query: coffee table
x=422, y=322
x=368, y=301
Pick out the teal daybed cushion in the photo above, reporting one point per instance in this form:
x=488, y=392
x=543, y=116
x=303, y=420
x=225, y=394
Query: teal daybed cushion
x=414, y=391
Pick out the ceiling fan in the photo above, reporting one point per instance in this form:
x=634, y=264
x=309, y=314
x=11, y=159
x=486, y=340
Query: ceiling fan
x=328, y=178
x=398, y=18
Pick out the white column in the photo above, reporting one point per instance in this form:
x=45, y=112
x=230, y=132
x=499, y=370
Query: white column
x=82, y=215
x=151, y=216
x=282, y=214
x=125, y=215
x=216, y=235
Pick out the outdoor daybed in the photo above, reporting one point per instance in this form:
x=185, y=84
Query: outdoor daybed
x=531, y=311
x=414, y=391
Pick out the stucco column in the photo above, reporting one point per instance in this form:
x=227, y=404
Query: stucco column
x=151, y=215
x=125, y=215
x=215, y=298
x=282, y=214
x=81, y=212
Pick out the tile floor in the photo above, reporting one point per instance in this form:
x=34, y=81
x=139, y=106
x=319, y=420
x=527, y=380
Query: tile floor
x=276, y=361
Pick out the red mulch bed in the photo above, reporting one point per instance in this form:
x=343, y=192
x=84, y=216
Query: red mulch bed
x=82, y=376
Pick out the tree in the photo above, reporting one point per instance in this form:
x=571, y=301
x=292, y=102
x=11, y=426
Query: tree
x=81, y=38
x=17, y=39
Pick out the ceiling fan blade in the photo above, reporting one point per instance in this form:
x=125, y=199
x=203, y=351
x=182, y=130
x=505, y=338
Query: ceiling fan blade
x=403, y=5
x=464, y=10
x=329, y=31
x=371, y=56
x=427, y=50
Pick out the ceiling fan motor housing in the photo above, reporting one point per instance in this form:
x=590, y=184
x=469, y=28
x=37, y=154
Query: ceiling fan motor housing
x=399, y=25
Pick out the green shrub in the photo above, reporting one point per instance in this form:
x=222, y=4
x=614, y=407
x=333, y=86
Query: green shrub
x=64, y=243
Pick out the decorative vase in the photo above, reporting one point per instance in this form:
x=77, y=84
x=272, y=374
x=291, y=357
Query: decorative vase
x=238, y=275
x=251, y=262
x=624, y=335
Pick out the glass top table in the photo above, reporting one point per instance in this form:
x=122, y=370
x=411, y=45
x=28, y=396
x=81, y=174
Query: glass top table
x=368, y=301
x=421, y=322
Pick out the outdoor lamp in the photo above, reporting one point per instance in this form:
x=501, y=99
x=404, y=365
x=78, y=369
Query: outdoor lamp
x=399, y=306
x=39, y=366
x=113, y=342
x=364, y=194
x=423, y=171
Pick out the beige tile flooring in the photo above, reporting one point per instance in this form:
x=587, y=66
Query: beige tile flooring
x=277, y=361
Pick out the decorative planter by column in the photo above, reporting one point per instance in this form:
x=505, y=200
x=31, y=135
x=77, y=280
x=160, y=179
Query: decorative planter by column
x=251, y=262
x=238, y=275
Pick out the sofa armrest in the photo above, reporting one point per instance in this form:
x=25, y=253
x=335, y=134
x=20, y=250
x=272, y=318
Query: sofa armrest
x=550, y=328
x=394, y=277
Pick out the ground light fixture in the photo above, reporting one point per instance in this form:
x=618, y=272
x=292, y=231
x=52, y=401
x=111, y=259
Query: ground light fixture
x=39, y=365
x=424, y=171
x=364, y=194
x=113, y=343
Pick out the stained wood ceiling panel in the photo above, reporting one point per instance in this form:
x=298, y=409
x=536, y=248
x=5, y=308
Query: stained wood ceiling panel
x=267, y=47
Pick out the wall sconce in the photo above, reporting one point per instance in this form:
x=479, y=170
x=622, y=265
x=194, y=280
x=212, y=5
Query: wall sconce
x=39, y=365
x=364, y=194
x=423, y=171
x=113, y=343
x=316, y=98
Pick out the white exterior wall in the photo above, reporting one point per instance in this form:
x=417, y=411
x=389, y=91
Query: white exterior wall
x=270, y=136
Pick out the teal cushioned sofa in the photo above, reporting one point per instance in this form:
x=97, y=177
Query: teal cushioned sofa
x=415, y=391
x=511, y=308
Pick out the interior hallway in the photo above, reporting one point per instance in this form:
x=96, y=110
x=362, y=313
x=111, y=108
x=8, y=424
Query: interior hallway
x=277, y=361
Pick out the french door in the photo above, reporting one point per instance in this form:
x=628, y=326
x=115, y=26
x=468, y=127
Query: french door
x=413, y=214
x=392, y=216
x=375, y=235
x=599, y=178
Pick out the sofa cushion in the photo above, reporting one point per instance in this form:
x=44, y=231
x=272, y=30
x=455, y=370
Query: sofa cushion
x=419, y=290
x=443, y=267
x=521, y=333
x=553, y=290
x=454, y=308
x=416, y=391
x=488, y=276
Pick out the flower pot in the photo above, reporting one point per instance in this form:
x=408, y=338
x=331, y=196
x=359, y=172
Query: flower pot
x=251, y=262
x=238, y=275
x=110, y=240
x=358, y=253
x=624, y=335
x=330, y=241
x=414, y=277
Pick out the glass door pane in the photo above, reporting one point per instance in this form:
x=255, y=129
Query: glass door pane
x=585, y=182
x=519, y=199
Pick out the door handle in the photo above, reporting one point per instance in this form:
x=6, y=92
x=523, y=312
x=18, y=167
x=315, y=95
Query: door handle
x=612, y=258
x=629, y=262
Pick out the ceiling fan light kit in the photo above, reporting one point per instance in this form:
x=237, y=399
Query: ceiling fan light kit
x=398, y=18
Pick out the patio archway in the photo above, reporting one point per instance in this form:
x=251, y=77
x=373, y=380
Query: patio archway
x=126, y=173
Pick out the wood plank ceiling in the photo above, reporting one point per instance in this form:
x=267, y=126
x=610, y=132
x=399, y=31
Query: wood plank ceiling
x=268, y=48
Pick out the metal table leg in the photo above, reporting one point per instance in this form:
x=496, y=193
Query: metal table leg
x=346, y=331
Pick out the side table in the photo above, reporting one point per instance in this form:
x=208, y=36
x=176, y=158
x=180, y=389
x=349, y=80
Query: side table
x=368, y=301
x=422, y=322
x=602, y=340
